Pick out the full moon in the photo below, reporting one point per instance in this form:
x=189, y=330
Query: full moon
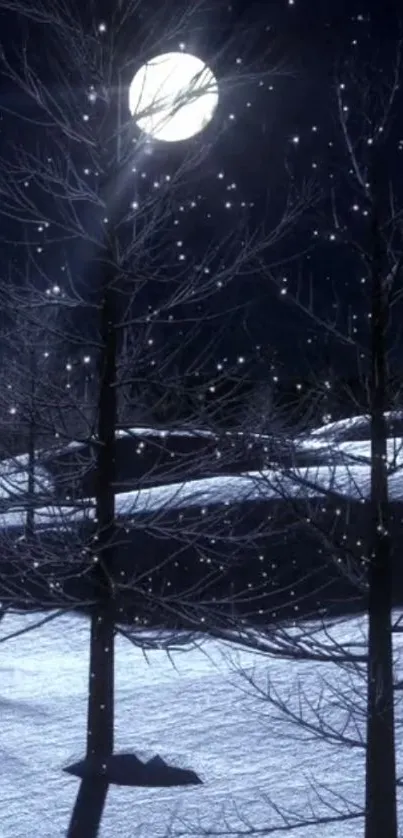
x=173, y=96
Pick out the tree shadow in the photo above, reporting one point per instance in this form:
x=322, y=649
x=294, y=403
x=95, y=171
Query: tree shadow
x=88, y=808
x=121, y=770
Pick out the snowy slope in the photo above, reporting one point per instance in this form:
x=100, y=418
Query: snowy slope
x=195, y=715
x=226, y=519
x=14, y=479
x=355, y=428
x=326, y=459
x=348, y=481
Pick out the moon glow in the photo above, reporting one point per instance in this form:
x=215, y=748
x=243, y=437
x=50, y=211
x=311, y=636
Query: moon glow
x=173, y=96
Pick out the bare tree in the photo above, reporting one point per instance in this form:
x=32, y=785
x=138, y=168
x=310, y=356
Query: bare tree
x=124, y=246
x=349, y=498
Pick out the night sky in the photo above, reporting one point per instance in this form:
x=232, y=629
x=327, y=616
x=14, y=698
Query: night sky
x=275, y=130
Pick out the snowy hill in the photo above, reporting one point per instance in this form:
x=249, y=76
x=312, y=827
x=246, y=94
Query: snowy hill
x=329, y=458
x=245, y=531
x=193, y=712
x=152, y=456
x=356, y=428
x=14, y=481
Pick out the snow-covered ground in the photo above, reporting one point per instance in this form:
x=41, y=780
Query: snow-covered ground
x=333, y=457
x=351, y=479
x=196, y=715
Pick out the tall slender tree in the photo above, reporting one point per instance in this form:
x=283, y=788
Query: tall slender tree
x=345, y=500
x=80, y=172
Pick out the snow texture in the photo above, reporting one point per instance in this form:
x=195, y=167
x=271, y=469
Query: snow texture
x=341, y=466
x=14, y=478
x=195, y=715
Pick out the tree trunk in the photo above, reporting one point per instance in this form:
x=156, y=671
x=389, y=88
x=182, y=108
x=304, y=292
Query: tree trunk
x=87, y=813
x=380, y=803
x=100, y=726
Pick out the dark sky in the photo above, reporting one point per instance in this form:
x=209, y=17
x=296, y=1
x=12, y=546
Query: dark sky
x=274, y=126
